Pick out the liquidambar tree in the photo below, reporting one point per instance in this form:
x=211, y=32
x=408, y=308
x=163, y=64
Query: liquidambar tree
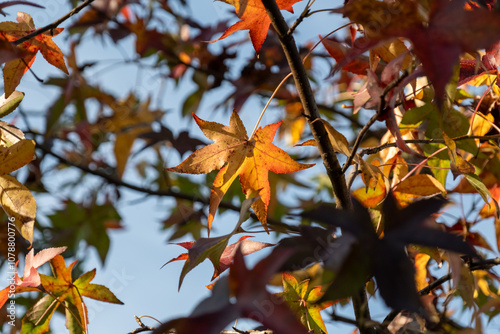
x=386, y=216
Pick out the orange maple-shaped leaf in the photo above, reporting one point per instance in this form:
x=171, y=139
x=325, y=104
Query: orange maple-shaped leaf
x=233, y=153
x=254, y=18
x=14, y=69
x=61, y=288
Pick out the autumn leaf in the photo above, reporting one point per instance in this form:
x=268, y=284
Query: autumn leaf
x=18, y=203
x=338, y=51
x=254, y=18
x=16, y=156
x=14, y=69
x=360, y=252
x=8, y=105
x=31, y=278
x=233, y=154
x=129, y=120
x=251, y=300
x=421, y=261
x=417, y=186
x=64, y=289
x=303, y=301
x=216, y=249
x=439, y=34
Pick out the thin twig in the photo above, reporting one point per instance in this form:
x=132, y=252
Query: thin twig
x=478, y=265
x=142, y=328
x=373, y=119
x=160, y=193
x=376, y=149
x=303, y=15
x=54, y=24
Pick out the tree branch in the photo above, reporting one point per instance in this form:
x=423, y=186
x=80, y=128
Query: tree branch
x=330, y=161
x=161, y=193
x=54, y=24
x=307, y=99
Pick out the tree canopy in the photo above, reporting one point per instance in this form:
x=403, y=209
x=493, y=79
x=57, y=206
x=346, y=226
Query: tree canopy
x=369, y=176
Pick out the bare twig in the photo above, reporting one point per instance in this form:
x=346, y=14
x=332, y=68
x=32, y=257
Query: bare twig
x=303, y=15
x=477, y=265
x=376, y=149
x=54, y=24
x=142, y=328
x=373, y=119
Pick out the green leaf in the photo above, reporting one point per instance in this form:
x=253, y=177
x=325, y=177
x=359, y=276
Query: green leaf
x=8, y=105
x=37, y=318
x=478, y=184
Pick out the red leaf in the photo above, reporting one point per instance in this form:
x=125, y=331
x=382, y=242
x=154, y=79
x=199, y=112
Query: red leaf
x=254, y=18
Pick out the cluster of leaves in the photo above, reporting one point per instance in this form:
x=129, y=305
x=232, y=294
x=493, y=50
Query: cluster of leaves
x=18, y=202
x=416, y=65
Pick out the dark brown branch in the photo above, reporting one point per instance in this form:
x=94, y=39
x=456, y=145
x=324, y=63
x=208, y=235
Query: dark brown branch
x=330, y=161
x=307, y=99
x=54, y=24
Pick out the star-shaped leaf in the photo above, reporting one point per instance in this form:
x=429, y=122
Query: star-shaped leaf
x=233, y=154
x=216, y=249
x=254, y=18
x=62, y=288
x=303, y=301
x=14, y=69
x=439, y=33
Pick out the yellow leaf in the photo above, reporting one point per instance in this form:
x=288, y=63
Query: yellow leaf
x=18, y=203
x=293, y=123
x=123, y=145
x=420, y=185
x=376, y=192
x=458, y=164
x=16, y=156
x=393, y=49
x=421, y=261
x=369, y=171
x=339, y=141
x=482, y=124
x=129, y=120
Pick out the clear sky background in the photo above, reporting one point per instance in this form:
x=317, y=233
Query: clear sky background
x=132, y=269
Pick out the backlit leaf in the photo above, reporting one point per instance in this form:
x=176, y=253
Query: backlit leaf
x=234, y=154
x=14, y=69
x=18, y=203
x=8, y=105
x=16, y=156
x=254, y=18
